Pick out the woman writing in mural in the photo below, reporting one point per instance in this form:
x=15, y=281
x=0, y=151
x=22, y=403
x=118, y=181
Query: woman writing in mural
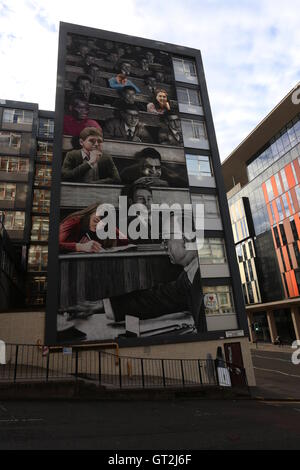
x=77, y=233
x=160, y=104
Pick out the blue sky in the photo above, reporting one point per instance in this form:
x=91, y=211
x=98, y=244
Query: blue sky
x=250, y=49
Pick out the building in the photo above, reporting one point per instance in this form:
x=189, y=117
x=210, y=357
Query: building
x=26, y=150
x=94, y=67
x=262, y=182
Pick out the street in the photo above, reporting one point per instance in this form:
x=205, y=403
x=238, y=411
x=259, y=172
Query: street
x=276, y=375
x=180, y=425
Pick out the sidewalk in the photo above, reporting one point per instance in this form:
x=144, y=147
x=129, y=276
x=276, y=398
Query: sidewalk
x=271, y=347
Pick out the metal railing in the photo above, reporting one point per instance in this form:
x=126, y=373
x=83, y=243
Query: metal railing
x=41, y=364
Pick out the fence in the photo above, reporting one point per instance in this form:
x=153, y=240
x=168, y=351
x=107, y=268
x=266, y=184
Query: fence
x=36, y=363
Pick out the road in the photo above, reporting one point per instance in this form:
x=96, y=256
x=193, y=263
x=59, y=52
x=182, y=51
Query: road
x=276, y=375
x=181, y=425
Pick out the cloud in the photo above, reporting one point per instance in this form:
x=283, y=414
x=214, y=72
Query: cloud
x=250, y=49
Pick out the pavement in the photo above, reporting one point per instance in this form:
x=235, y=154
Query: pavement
x=276, y=376
x=172, y=425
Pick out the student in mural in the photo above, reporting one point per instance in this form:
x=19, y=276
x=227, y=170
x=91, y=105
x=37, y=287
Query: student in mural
x=121, y=80
x=151, y=85
x=127, y=97
x=77, y=233
x=127, y=127
x=181, y=295
x=160, y=103
x=78, y=117
x=171, y=134
x=149, y=168
x=83, y=85
x=89, y=164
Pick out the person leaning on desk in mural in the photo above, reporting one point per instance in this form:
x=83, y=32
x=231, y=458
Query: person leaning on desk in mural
x=182, y=294
x=77, y=233
x=89, y=164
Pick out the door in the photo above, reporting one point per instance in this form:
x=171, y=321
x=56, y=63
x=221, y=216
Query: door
x=233, y=355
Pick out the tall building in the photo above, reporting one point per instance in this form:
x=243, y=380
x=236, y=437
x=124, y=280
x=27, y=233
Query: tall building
x=262, y=178
x=26, y=150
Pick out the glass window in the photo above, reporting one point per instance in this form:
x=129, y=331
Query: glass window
x=211, y=207
x=279, y=208
x=294, y=173
x=188, y=96
x=198, y=165
x=269, y=190
x=284, y=180
x=13, y=220
x=285, y=205
x=185, y=66
x=194, y=130
x=218, y=300
x=212, y=251
x=297, y=190
x=40, y=229
x=43, y=175
x=37, y=258
x=294, y=229
x=46, y=128
x=41, y=200
x=273, y=215
x=278, y=183
x=10, y=140
x=283, y=235
x=17, y=116
x=45, y=151
x=12, y=164
x=8, y=191
x=277, y=239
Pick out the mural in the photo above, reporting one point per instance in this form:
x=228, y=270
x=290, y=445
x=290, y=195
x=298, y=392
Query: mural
x=123, y=148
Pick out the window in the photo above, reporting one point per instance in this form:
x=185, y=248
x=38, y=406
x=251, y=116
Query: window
x=37, y=290
x=11, y=164
x=294, y=229
x=41, y=200
x=285, y=205
x=194, y=130
x=211, y=207
x=198, y=165
x=17, y=116
x=43, y=175
x=40, y=229
x=283, y=235
x=45, y=151
x=188, y=96
x=284, y=180
x=251, y=250
x=276, y=235
x=8, y=191
x=297, y=190
x=279, y=208
x=46, y=128
x=10, y=140
x=297, y=253
x=278, y=183
x=273, y=215
x=269, y=190
x=37, y=258
x=13, y=220
x=185, y=67
x=294, y=172
x=218, y=300
x=212, y=251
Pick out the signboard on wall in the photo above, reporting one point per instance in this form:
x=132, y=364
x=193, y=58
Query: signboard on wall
x=122, y=230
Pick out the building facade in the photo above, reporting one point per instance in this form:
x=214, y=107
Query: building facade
x=26, y=150
x=93, y=68
x=262, y=180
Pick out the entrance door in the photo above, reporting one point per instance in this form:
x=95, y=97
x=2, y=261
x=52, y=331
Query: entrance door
x=233, y=355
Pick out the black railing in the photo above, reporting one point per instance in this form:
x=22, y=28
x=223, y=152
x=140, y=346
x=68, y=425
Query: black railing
x=38, y=363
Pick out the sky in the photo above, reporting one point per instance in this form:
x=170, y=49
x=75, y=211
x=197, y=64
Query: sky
x=250, y=49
